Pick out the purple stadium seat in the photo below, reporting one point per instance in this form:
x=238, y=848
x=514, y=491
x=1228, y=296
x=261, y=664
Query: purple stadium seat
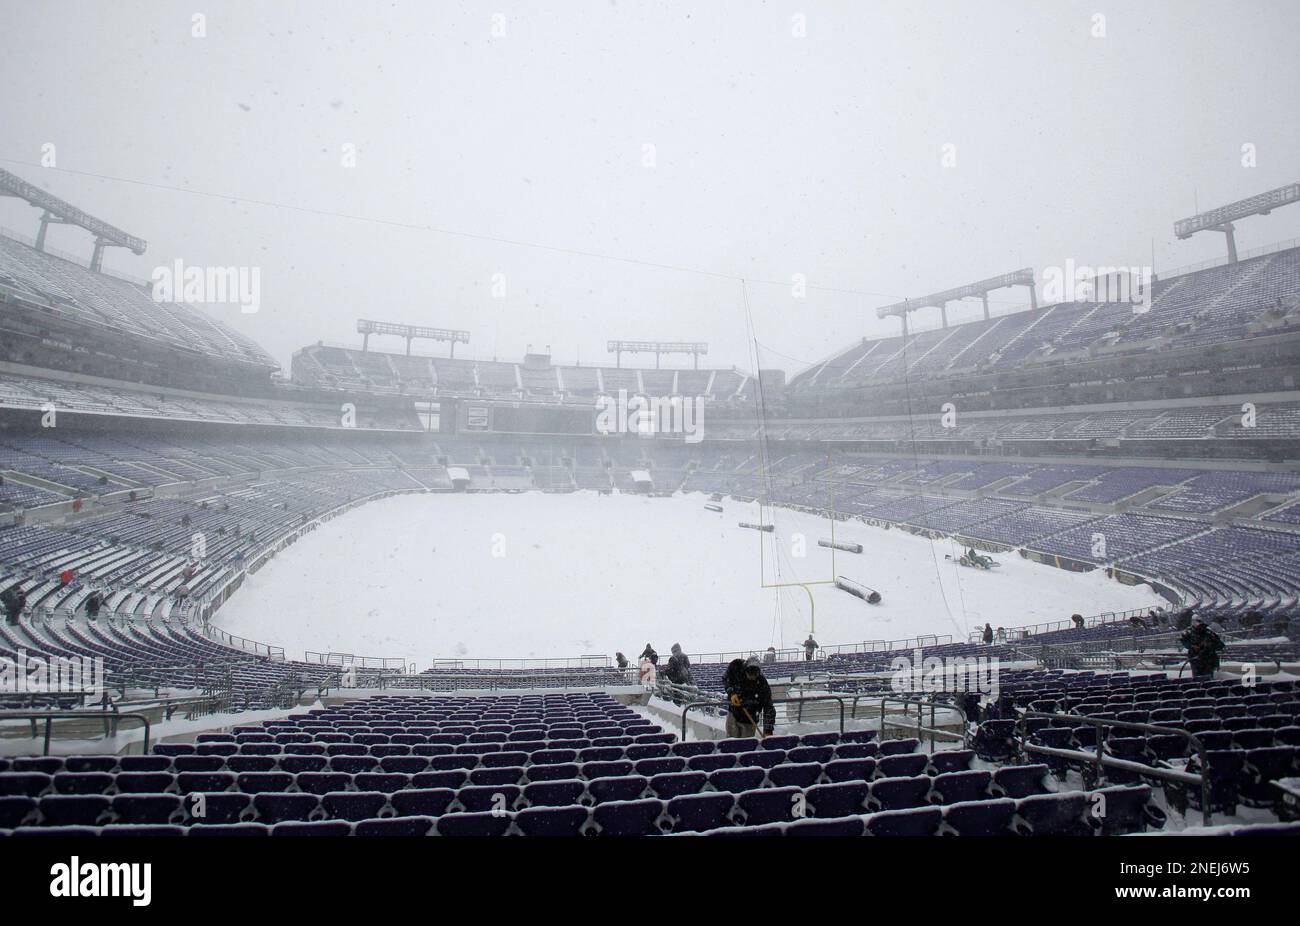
x=602, y=769
x=1129, y=809
x=90, y=763
x=736, y=780
x=231, y=829
x=405, y=765
x=353, y=805
x=75, y=809
x=394, y=826
x=27, y=784
x=251, y=764
x=900, y=793
x=387, y=782
x=955, y=787
x=16, y=809
x=422, y=802
x=148, y=808
x=904, y=766
x=474, y=824
x=264, y=782
x=627, y=818
x=918, y=821
x=838, y=770
x=806, y=753
x=766, y=805
x=218, y=808
x=699, y=812
x=551, y=821
x=743, y=744
x=553, y=772
x=1066, y=813
x=953, y=760
x=145, y=830
x=622, y=789
x=842, y=799
x=898, y=747
x=711, y=762
x=144, y=763
x=843, y=826
x=981, y=818
x=143, y=782
x=1017, y=781
x=660, y=766
x=276, y=808
x=674, y=784
x=450, y=778
x=761, y=758
x=487, y=798
x=554, y=793
x=313, y=828
x=801, y=775
x=354, y=765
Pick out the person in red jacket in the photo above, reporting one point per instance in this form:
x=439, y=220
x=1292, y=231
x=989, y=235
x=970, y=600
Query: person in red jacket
x=65, y=577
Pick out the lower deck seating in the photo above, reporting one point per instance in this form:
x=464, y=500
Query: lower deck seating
x=560, y=764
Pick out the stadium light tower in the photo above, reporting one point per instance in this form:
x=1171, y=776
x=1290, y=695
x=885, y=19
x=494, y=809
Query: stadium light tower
x=1022, y=277
x=56, y=211
x=366, y=327
x=1221, y=219
x=618, y=348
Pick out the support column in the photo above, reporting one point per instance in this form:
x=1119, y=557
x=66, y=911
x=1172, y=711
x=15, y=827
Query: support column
x=1229, y=233
x=40, y=235
x=986, y=305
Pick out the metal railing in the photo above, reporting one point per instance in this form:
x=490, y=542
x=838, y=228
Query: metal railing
x=596, y=661
x=426, y=681
x=111, y=720
x=391, y=663
x=933, y=729
x=240, y=643
x=1029, y=631
x=1100, y=759
x=888, y=646
x=727, y=705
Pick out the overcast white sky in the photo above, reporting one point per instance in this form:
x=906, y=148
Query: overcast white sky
x=775, y=155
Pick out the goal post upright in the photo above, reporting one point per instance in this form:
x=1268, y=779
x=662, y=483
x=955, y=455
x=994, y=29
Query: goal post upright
x=806, y=586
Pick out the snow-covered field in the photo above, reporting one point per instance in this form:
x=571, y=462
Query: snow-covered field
x=531, y=575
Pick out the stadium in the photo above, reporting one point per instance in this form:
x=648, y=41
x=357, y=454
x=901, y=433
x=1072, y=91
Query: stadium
x=165, y=472
x=393, y=591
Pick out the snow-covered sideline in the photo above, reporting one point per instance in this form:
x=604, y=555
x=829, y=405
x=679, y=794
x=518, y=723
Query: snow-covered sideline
x=538, y=575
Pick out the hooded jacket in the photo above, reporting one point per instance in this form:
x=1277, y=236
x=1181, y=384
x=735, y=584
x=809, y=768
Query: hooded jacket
x=755, y=696
x=679, y=668
x=1203, y=648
